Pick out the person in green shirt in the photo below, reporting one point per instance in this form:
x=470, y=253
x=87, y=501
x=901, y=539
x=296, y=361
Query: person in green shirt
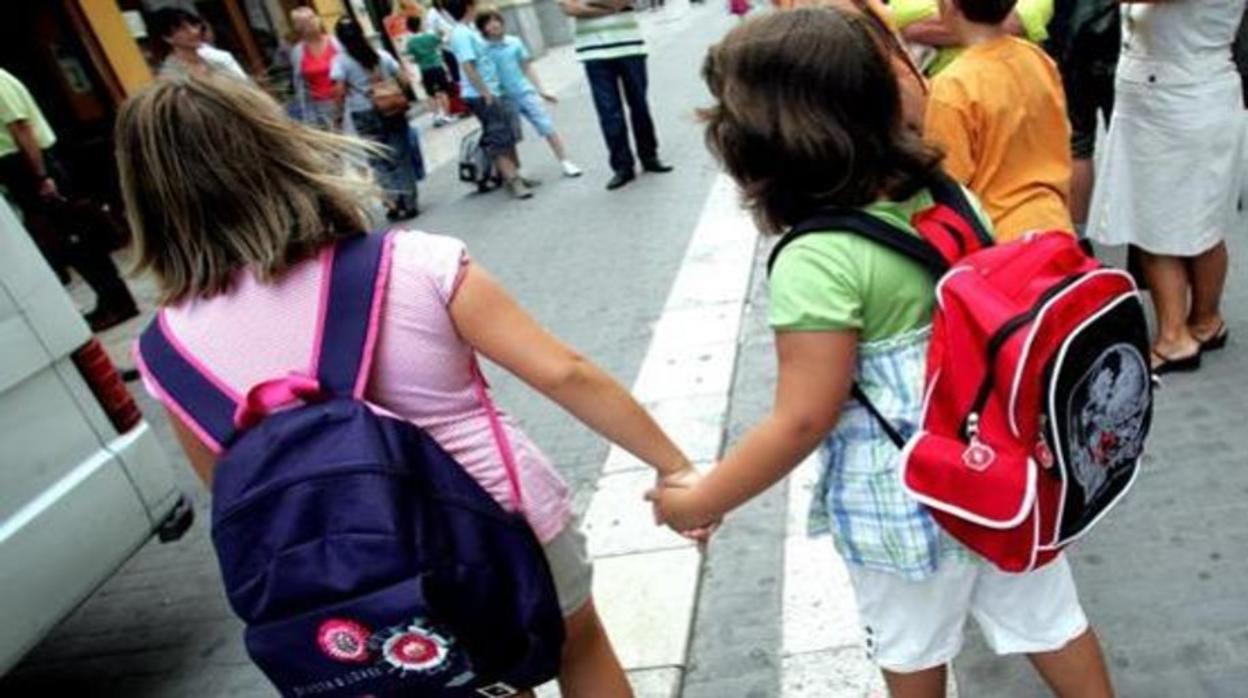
x=920, y=23
x=425, y=50
x=70, y=232
x=847, y=311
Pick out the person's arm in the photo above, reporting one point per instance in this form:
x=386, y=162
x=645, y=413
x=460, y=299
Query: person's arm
x=600, y=8
x=469, y=69
x=815, y=375
x=464, y=51
x=487, y=317
x=930, y=32
x=396, y=69
x=532, y=76
x=297, y=80
x=338, y=76
x=202, y=459
x=23, y=133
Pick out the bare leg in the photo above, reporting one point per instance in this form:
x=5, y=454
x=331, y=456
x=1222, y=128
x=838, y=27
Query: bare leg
x=1207, y=272
x=1167, y=278
x=1077, y=670
x=514, y=157
x=507, y=167
x=1081, y=179
x=928, y=683
x=590, y=668
x=556, y=145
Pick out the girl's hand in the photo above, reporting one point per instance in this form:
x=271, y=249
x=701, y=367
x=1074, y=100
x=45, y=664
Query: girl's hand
x=550, y=98
x=677, y=504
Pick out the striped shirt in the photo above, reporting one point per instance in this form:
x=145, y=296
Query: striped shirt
x=613, y=36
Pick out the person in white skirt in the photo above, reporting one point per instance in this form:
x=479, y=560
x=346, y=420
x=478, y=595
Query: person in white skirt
x=1173, y=166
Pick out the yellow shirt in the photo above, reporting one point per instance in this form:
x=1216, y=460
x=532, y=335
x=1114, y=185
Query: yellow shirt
x=999, y=113
x=16, y=104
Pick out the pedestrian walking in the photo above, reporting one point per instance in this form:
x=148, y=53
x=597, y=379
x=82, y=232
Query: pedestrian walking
x=521, y=85
x=1172, y=166
x=483, y=91
x=70, y=231
x=609, y=43
x=999, y=113
x=180, y=41
x=372, y=89
x=425, y=50
x=440, y=22
x=846, y=309
x=240, y=272
x=311, y=59
x=1084, y=40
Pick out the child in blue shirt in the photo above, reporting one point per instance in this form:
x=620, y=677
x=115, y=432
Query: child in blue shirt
x=520, y=84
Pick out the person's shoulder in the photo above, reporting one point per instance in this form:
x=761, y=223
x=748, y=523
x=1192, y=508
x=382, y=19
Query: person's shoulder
x=9, y=83
x=954, y=85
x=821, y=251
x=423, y=246
x=437, y=258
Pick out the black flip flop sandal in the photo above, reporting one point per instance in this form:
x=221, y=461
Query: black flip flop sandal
x=1216, y=341
x=1185, y=364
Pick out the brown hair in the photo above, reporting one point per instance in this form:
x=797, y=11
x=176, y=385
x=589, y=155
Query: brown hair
x=808, y=115
x=215, y=177
x=484, y=18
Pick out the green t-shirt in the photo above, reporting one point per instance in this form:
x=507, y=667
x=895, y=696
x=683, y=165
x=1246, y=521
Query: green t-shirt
x=825, y=282
x=425, y=50
x=1033, y=14
x=16, y=104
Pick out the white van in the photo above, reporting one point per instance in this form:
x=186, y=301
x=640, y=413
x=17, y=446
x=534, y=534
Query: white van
x=83, y=483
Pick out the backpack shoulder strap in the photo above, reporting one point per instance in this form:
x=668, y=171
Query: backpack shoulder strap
x=968, y=228
x=206, y=407
x=355, y=278
x=867, y=226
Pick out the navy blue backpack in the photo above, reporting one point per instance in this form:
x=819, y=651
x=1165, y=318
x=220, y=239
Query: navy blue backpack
x=364, y=560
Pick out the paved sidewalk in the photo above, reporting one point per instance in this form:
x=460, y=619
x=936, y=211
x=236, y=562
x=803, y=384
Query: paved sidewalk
x=599, y=269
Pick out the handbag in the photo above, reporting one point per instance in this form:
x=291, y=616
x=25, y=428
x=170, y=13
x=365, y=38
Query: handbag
x=387, y=95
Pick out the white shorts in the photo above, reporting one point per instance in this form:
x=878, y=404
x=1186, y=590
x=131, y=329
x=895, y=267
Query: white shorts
x=910, y=626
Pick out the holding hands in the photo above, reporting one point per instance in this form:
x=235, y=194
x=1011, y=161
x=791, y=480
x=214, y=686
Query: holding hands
x=676, y=502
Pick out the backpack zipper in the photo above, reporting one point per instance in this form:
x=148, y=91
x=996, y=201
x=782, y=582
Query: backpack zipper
x=995, y=344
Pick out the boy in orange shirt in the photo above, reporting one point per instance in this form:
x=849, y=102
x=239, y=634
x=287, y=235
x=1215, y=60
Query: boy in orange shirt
x=999, y=113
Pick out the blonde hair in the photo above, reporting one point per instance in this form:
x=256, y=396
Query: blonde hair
x=303, y=19
x=215, y=178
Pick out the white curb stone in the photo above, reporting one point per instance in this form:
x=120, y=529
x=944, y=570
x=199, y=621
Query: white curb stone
x=646, y=578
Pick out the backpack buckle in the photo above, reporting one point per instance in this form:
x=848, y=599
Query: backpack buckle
x=498, y=690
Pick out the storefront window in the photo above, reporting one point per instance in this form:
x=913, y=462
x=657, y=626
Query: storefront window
x=256, y=32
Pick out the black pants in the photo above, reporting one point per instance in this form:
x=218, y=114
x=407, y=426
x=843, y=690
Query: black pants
x=70, y=231
x=606, y=79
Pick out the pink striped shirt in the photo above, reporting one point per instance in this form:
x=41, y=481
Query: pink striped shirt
x=422, y=370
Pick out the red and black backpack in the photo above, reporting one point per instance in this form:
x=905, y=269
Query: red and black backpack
x=1038, y=391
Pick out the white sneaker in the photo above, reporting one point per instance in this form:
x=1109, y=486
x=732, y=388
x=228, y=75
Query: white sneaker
x=570, y=169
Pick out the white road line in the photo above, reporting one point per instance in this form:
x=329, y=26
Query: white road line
x=646, y=578
x=822, y=654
